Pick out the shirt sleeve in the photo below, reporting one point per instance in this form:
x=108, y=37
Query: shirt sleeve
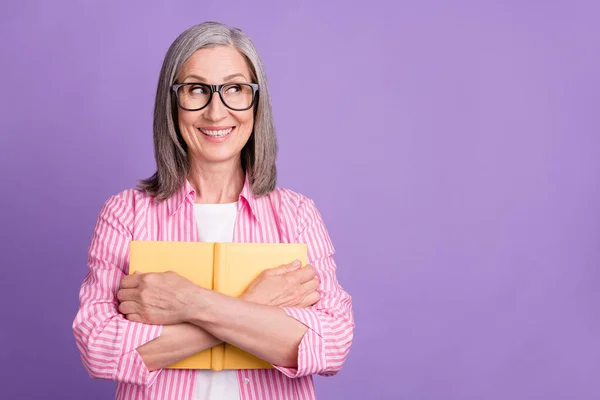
x=106, y=340
x=326, y=344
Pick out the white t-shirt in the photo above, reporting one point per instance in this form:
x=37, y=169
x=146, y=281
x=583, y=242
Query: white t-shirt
x=215, y=224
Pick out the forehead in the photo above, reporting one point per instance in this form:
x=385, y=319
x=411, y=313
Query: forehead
x=215, y=63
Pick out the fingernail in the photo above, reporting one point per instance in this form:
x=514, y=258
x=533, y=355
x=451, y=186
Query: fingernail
x=296, y=263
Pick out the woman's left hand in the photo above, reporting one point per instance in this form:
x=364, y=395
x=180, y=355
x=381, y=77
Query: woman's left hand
x=164, y=298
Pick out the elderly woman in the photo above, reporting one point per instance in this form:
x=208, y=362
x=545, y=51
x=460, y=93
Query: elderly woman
x=215, y=150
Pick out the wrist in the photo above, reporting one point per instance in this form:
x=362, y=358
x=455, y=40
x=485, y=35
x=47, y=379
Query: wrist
x=202, y=310
x=248, y=297
x=194, y=304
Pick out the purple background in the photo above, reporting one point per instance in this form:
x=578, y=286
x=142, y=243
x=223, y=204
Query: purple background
x=452, y=148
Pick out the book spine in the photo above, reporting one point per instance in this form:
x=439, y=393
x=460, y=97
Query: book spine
x=217, y=356
x=218, y=352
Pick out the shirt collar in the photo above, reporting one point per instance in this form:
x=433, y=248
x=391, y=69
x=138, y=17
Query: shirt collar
x=187, y=193
x=248, y=196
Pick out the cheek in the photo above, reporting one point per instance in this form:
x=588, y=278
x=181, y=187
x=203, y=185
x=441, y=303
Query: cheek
x=185, y=123
x=185, y=120
x=246, y=123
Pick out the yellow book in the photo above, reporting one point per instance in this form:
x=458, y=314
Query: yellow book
x=227, y=268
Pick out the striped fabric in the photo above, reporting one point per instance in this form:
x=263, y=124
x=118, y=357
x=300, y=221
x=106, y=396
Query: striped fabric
x=108, y=342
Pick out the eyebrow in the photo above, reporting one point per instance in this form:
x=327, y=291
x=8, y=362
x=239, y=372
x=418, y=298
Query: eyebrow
x=225, y=79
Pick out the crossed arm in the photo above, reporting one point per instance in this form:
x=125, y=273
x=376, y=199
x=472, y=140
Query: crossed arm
x=196, y=319
x=123, y=334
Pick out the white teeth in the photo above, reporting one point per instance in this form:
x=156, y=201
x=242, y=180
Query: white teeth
x=216, y=133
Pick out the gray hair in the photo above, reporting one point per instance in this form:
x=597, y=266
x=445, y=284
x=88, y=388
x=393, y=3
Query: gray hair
x=170, y=151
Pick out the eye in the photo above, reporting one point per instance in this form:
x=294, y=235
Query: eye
x=197, y=89
x=233, y=89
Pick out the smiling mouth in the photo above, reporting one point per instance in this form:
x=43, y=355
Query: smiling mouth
x=216, y=133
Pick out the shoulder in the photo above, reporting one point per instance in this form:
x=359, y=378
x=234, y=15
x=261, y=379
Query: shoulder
x=124, y=203
x=290, y=199
x=292, y=205
x=299, y=216
x=288, y=196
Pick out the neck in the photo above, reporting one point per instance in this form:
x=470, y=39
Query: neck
x=217, y=183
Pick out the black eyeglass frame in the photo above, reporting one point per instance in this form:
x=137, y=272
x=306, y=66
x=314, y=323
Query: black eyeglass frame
x=217, y=89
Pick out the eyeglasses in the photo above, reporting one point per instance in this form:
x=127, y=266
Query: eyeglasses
x=196, y=96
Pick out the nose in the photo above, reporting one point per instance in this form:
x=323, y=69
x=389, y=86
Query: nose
x=216, y=110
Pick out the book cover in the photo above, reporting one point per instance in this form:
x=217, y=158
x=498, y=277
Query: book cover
x=224, y=267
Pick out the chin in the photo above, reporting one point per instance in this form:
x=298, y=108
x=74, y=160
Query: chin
x=220, y=157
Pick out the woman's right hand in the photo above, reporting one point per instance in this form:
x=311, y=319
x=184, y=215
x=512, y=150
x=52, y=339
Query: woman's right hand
x=286, y=286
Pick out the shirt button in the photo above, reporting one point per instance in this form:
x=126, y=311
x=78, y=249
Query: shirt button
x=246, y=381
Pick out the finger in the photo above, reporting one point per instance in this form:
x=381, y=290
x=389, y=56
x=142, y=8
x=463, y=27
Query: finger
x=128, y=307
x=310, y=286
x=286, y=268
x=134, y=317
x=304, y=274
x=312, y=298
x=128, y=294
x=130, y=281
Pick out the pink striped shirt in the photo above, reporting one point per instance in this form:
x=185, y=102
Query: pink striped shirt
x=108, y=342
